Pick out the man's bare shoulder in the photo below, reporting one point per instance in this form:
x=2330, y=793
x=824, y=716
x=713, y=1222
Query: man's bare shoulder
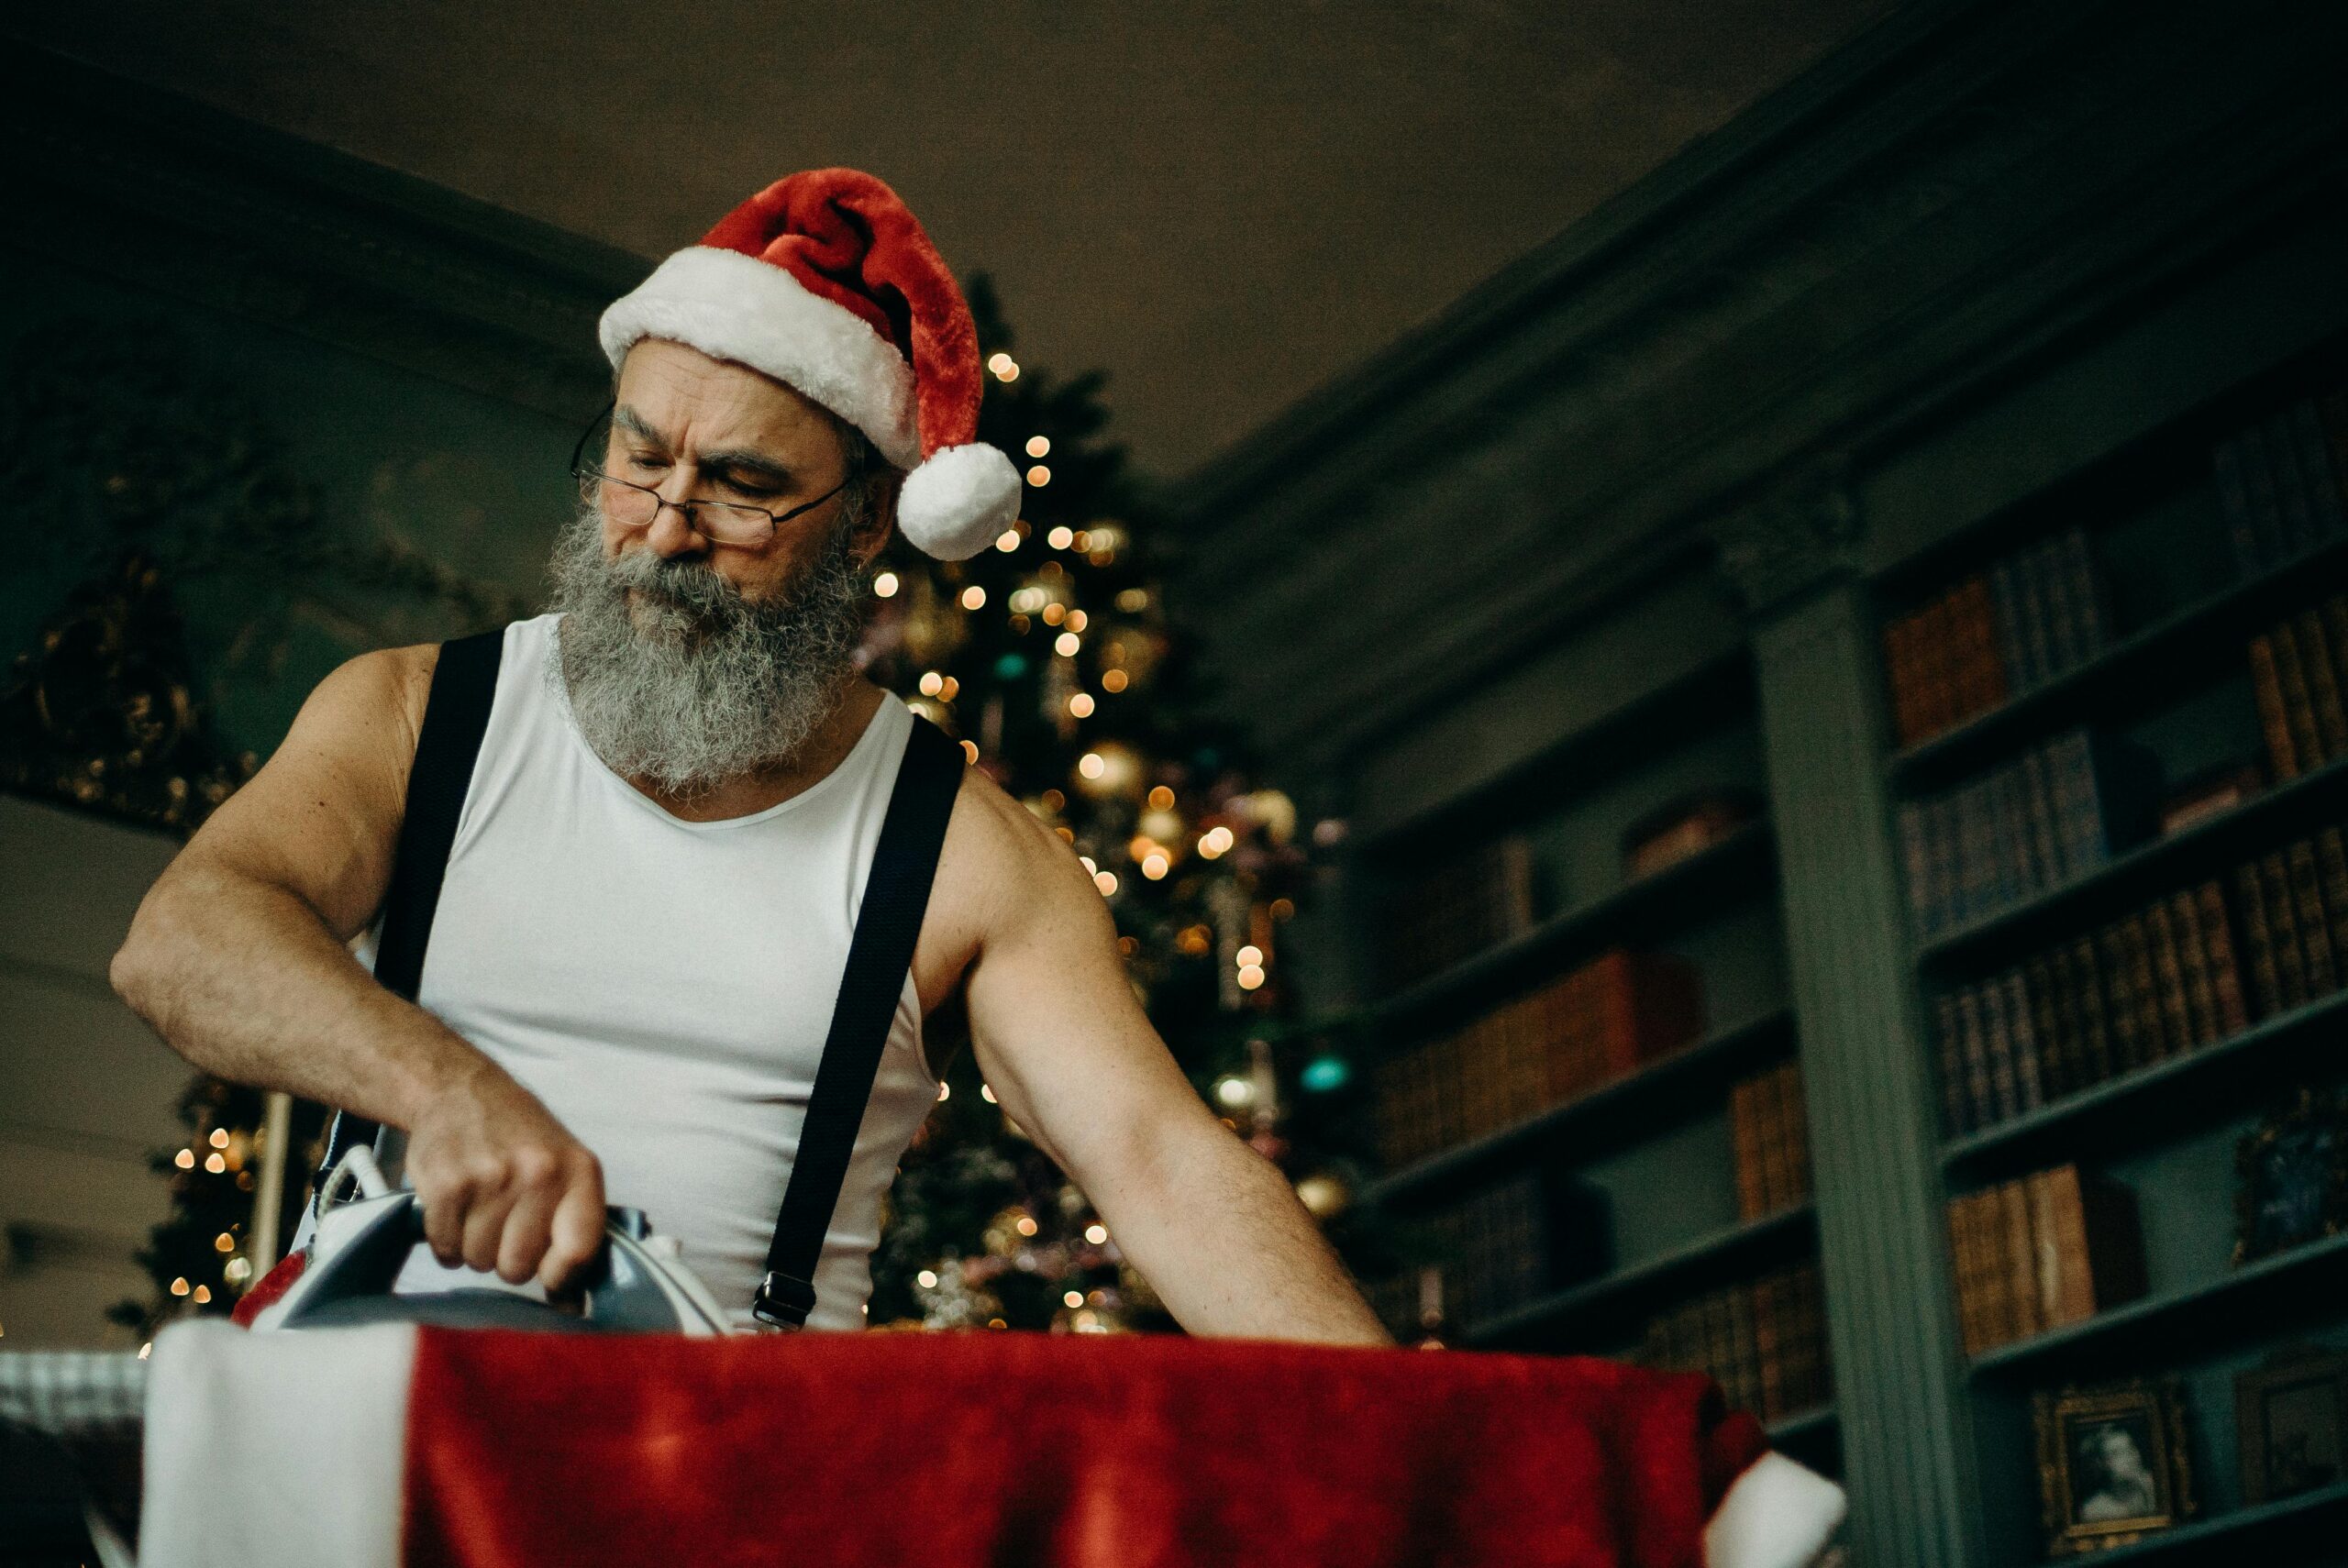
x=369, y=707
x=1001, y=857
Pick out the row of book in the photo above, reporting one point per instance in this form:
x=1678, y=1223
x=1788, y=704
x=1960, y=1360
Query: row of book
x=1553, y=1044
x=1504, y=1247
x=1763, y=1342
x=2040, y=1251
x=2033, y=615
x=1769, y=1130
x=2294, y=905
x=2279, y=481
x=2056, y=812
x=2161, y=981
x=1445, y=915
x=2298, y=669
x=2186, y=970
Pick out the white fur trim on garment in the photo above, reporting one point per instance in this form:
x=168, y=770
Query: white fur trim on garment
x=958, y=500
x=276, y=1447
x=1776, y=1515
x=738, y=307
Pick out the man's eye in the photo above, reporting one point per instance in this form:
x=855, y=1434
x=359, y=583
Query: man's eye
x=640, y=460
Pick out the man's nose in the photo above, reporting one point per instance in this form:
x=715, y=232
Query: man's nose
x=671, y=535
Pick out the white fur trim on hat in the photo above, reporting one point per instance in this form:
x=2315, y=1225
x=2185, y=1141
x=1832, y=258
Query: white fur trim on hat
x=738, y=307
x=959, y=502
x=1778, y=1514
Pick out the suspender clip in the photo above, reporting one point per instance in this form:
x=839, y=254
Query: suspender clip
x=783, y=1302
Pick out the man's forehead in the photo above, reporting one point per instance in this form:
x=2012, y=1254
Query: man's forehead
x=670, y=392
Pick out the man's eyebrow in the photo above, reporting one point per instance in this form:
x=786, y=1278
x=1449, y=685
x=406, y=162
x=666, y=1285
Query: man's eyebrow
x=731, y=461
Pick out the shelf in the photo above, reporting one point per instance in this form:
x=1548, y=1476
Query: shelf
x=2141, y=1106
x=2259, y=1297
x=1634, y=915
x=1616, y=1298
x=2262, y=1525
x=2207, y=848
x=1599, y=1122
x=2143, y=661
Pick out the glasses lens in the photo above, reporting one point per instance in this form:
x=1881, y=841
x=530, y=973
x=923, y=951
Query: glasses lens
x=625, y=504
x=733, y=524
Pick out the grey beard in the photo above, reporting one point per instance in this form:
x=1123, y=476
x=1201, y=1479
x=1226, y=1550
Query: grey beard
x=698, y=686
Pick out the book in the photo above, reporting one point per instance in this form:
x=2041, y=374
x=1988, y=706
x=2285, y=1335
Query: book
x=2317, y=665
x=2318, y=961
x=2298, y=706
x=2274, y=721
x=2266, y=975
x=1956, y=1106
x=2086, y=979
x=2225, y=973
x=2193, y=962
x=2331, y=877
x=2144, y=985
x=2030, y=1082
x=2282, y=931
x=2026, y=1309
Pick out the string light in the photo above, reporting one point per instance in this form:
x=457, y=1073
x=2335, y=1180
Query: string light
x=1054, y=614
x=986, y=1092
x=973, y=596
x=1131, y=600
x=1090, y=765
x=1107, y=881
x=1007, y=541
x=184, y=1159
x=219, y=1139
x=215, y=1163
x=945, y=1091
x=1251, y=954
x=885, y=585
x=223, y=1242
x=1078, y=620
x=931, y=683
x=969, y=750
x=1250, y=977
x=1161, y=799
x=1060, y=537
x=1154, y=866
x=926, y=1280
x=1074, y=1298
x=1096, y=1234
x=1039, y=476
x=1039, y=445
x=237, y=1270
x=1089, y=866
x=203, y=1294
x=179, y=1286
x=1025, y=1225
x=1004, y=367
x=1080, y=705
x=1066, y=644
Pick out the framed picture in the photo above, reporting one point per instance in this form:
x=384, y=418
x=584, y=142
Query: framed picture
x=2292, y=1173
x=2111, y=1463
x=2293, y=1415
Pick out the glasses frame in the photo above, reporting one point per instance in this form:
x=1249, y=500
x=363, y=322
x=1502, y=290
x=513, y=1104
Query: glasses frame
x=775, y=520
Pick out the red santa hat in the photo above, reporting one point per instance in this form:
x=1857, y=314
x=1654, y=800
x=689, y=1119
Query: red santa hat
x=826, y=281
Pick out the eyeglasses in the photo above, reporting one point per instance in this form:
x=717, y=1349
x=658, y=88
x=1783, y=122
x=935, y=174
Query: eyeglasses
x=633, y=505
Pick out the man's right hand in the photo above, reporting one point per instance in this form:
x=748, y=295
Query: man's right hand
x=504, y=1186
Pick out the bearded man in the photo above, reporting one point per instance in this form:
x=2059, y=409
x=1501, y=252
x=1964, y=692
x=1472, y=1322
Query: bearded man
x=653, y=881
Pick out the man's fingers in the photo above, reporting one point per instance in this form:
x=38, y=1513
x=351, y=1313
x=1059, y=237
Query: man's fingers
x=577, y=1234
x=528, y=1225
x=484, y=1225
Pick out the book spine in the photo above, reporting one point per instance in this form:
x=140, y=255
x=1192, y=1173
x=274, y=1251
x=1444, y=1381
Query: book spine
x=2225, y=972
x=2152, y=1028
x=2094, y=1034
x=2115, y=1243
x=1955, y=1103
x=2333, y=876
x=2298, y=707
x=1965, y=1265
x=2004, y=1082
x=2282, y=932
x=2266, y=688
x=2030, y=574
x=2063, y=1224
x=2317, y=662
x=2193, y=958
x=2021, y=1251
x=2176, y=1016
x=2086, y=592
x=2056, y=1074
x=2315, y=931
x=2265, y=977
x=2038, y=796
x=1980, y=1075
x=2121, y=1014
x=2030, y=1066
x=2039, y=1193
x=1981, y=638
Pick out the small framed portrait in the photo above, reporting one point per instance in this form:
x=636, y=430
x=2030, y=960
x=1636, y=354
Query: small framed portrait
x=2112, y=1464
x=2293, y=1416
x=2292, y=1175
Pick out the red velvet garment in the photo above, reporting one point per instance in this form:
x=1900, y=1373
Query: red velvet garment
x=1030, y=1451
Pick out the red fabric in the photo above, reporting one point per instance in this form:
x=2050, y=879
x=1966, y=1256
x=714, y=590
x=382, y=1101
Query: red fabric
x=848, y=237
x=268, y=1288
x=1030, y=1451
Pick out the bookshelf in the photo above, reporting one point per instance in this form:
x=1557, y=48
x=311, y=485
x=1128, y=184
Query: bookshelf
x=1983, y=295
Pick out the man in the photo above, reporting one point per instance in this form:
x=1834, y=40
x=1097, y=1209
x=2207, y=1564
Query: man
x=653, y=882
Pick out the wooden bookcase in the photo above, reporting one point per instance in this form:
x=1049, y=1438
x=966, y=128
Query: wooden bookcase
x=1984, y=274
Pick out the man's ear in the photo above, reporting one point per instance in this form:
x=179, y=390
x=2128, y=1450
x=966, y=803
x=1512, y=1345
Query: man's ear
x=881, y=516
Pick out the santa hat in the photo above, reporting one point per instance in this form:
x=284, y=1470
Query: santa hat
x=826, y=281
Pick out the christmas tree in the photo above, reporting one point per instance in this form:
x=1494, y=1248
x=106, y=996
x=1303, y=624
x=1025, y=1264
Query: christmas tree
x=1052, y=659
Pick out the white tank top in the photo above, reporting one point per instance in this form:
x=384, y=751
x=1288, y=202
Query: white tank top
x=664, y=986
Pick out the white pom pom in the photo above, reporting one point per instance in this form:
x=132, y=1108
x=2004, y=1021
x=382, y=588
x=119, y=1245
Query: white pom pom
x=958, y=500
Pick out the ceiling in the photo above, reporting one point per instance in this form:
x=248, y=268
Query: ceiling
x=1225, y=205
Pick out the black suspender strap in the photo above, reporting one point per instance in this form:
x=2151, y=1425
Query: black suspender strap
x=464, y=684
x=896, y=895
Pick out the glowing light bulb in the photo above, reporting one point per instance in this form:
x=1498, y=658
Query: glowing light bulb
x=1066, y=644
x=1007, y=541
x=1154, y=865
x=986, y=1092
x=215, y=1163
x=1251, y=954
x=973, y=596
x=1080, y=705
x=945, y=1091
x=1025, y=1225
x=219, y=1139
x=1090, y=765
x=885, y=585
x=223, y=1242
x=931, y=683
x=203, y=1294
x=1039, y=445
x=1003, y=366
x=1039, y=476
x=1113, y=680
x=1250, y=977
x=1078, y=620
x=184, y=1159
x=179, y=1286
x=1096, y=1234
x=927, y=1279
x=1073, y=1297
x=1060, y=537
x=1107, y=882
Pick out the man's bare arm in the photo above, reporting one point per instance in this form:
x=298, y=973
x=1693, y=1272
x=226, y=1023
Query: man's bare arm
x=1063, y=1044
x=238, y=958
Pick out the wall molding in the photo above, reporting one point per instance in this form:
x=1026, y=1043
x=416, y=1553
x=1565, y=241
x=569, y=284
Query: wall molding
x=147, y=188
x=1935, y=211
